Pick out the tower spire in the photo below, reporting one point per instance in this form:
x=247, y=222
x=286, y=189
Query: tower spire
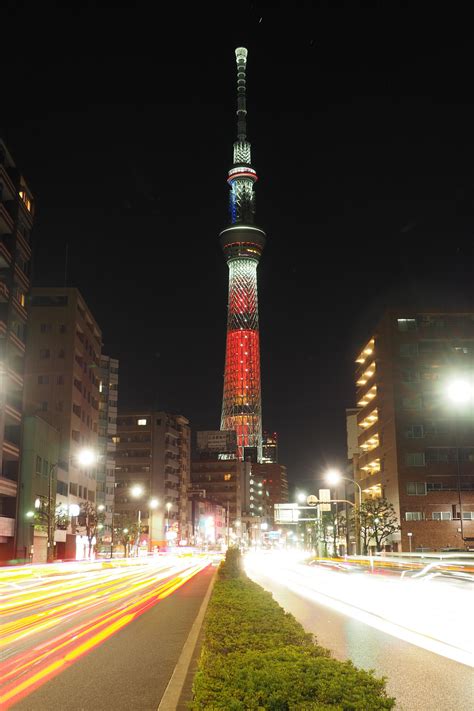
x=241, y=58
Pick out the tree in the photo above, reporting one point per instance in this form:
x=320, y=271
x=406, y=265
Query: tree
x=90, y=519
x=378, y=520
x=126, y=533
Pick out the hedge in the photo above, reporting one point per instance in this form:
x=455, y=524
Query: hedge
x=256, y=656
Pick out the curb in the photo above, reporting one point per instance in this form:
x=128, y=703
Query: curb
x=170, y=698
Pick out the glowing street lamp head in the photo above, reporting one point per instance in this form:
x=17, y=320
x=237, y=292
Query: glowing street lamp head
x=301, y=497
x=169, y=505
x=460, y=391
x=153, y=503
x=125, y=530
x=30, y=514
x=136, y=491
x=333, y=476
x=86, y=457
x=101, y=507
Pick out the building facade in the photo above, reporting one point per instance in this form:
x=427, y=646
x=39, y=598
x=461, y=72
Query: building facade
x=37, y=512
x=62, y=387
x=153, y=453
x=208, y=519
x=415, y=440
x=224, y=481
x=242, y=242
x=275, y=481
x=107, y=431
x=16, y=222
x=270, y=448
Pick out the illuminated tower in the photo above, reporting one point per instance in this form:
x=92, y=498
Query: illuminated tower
x=243, y=244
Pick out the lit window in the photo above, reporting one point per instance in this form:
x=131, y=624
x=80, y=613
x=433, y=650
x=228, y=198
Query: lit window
x=227, y=477
x=142, y=422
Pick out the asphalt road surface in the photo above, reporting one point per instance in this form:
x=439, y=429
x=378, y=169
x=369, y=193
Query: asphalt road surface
x=419, y=679
x=95, y=637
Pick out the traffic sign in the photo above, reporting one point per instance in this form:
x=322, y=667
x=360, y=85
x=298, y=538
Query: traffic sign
x=312, y=500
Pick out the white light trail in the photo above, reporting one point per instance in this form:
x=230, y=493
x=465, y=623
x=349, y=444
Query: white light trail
x=437, y=617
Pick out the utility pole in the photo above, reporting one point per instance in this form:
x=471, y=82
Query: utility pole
x=227, y=522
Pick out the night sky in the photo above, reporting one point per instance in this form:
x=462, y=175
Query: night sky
x=362, y=126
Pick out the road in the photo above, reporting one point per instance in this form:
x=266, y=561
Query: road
x=91, y=636
x=391, y=626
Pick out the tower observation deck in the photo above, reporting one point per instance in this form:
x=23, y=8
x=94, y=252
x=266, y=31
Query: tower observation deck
x=242, y=242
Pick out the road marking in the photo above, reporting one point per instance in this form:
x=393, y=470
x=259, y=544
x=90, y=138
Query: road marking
x=170, y=698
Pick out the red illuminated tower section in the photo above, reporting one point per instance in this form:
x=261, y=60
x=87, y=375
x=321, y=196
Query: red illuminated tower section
x=243, y=245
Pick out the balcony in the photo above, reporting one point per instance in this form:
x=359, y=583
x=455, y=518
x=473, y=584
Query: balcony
x=5, y=256
x=10, y=192
x=22, y=277
x=8, y=487
x=7, y=526
x=6, y=222
x=24, y=244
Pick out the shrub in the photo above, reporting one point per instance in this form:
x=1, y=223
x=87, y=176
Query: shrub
x=256, y=656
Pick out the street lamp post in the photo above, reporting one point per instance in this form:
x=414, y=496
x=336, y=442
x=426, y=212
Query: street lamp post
x=334, y=477
x=409, y=539
x=461, y=393
x=168, y=506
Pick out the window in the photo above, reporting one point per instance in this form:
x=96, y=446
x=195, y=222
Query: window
x=79, y=491
x=414, y=431
x=406, y=324
x=415, y=459
x=413, y=516
x=45, y=467
x=38, y=464
x=61, y=353
x=142, y=422
x=62, y=328
x=468, y=515
x=43, y=379
x=158, y=422
x=44, y=406
x=73, y=489
x=227, y=477
x=410, y=376
x=441, y=516
x=60, y=380
x=416, y=488
x=408, y=350
x=61, y=487
x=441, y=455
x=44, y=353
x=411, y=403
x=45, y=327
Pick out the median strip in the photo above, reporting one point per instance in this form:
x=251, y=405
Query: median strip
x=257, y=656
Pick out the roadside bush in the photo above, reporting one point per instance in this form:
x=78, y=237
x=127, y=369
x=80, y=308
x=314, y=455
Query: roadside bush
x=256, y=656
x=231, y=567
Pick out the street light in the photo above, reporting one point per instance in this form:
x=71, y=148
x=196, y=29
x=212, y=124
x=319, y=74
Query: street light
x=137, y=491
x=333, y=476
x=45, y=504
x=461, y=392
x=301, y=497
x=168, y=506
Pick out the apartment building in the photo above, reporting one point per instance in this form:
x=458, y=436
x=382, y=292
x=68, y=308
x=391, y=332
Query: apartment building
x=62, y=377
x=107, y=436
x=275, y=480
x=153, y=453
x=17, y=208
x=270, y=448
x=415, y=418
